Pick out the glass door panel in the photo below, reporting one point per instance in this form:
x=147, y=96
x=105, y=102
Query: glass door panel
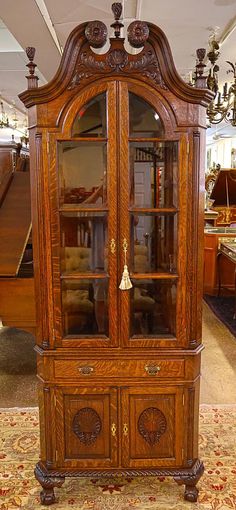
x=144, y=121
x=150, y=222
x=84, y=216
x=84, y=242
x=82, y=171
x=85, y=307
x=91, y=120
x=153, y=172
x=153, y=308
x=153, y=243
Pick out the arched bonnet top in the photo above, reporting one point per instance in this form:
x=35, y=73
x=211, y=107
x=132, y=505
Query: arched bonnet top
x=80, y=65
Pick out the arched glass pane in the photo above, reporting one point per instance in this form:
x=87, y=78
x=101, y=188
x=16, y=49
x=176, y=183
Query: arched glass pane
x=91, y=119
x=144, y=121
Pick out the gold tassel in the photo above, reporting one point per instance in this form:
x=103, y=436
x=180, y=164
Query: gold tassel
x=125, y=283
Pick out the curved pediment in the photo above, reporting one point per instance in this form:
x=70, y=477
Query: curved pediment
x=80, y=64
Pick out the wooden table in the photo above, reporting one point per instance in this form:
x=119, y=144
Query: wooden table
x=227, y=248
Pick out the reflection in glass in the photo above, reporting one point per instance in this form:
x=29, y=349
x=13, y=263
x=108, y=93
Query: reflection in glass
x=82, y=173
x=144, y=121
x=91, y=119
x=83, y=242
x=85, y=306
x=154, y=245
x=153, y=308
x=153, y=171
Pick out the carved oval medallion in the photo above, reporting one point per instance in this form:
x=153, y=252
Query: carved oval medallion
x=152, y=424
x=96, y=34
x=138, y=33
x=87, y=425
x=117, y=59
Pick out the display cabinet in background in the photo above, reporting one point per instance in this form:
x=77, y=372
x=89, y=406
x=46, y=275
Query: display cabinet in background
x=117, y=142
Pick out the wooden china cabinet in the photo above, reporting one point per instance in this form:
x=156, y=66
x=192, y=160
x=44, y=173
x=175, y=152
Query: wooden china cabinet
x=117, y=166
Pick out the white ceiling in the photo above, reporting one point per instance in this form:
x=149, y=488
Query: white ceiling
x=46, y=24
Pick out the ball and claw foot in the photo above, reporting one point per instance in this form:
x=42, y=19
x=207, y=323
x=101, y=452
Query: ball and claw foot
x=190, y=477
x=191, y=493
x=47, y=497
x=48, y=482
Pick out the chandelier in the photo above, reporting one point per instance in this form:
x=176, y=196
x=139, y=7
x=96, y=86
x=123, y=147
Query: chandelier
x=223, y=105
x=4, y=121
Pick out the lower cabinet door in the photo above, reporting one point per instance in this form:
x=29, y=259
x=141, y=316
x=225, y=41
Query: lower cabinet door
x=86, y=427
x=152, y=426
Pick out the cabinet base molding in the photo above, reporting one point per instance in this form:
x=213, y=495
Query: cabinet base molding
x=50, y=479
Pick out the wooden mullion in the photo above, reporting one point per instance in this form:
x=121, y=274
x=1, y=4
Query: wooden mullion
x=84, y=139
x=156, y=140
x=154, y=276
x=124, y=186
x=112, y=186
x=152, y=210
x=82, y=209
x=84, y=276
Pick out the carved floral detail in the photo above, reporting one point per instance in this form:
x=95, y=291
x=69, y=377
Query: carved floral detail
x=138, y=33
x=87, y=425
x=151, y=425
x=117, y=60
x=96, y=34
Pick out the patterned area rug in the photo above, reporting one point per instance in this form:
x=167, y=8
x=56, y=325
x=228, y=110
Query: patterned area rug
x=19, y=489
x=224, y=309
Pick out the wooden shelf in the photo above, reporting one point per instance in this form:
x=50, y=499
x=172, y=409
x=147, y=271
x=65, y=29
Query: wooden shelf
x=152, y=210
x=81, y=209
x=154, y=276
x=83, y=276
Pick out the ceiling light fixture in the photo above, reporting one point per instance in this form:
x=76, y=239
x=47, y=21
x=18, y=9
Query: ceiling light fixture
x=223, y=106
x=4, y=121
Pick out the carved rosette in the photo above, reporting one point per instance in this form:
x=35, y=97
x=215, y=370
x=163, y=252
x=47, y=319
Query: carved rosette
x=152, y=425
x=138, y=33
x=96, y=34
x=87, y=425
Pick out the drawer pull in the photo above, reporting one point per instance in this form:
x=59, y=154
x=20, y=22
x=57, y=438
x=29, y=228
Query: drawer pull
x=86, y=370
x=125, y=429
x=113, y=429
x=152, y=369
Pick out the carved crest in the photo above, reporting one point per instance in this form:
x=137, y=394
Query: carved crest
x=117, y=60
x=152, y=425
x=87, y=425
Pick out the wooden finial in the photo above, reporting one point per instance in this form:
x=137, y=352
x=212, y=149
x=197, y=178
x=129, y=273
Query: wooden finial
x=201, y=80
x=117, y=25
x=32, y=78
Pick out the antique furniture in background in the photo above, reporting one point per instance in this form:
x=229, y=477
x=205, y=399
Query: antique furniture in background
x=212, y=239
x=117, y=143
x=224, y=195
x=210, y=217
x=17, y=301
x=227, y=250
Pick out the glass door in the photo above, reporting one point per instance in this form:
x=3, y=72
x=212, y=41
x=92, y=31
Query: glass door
x=150, y=184
x=121, y=200
x=85, y=256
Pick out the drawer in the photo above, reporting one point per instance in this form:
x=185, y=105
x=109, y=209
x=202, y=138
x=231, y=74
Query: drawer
x=81, y=369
